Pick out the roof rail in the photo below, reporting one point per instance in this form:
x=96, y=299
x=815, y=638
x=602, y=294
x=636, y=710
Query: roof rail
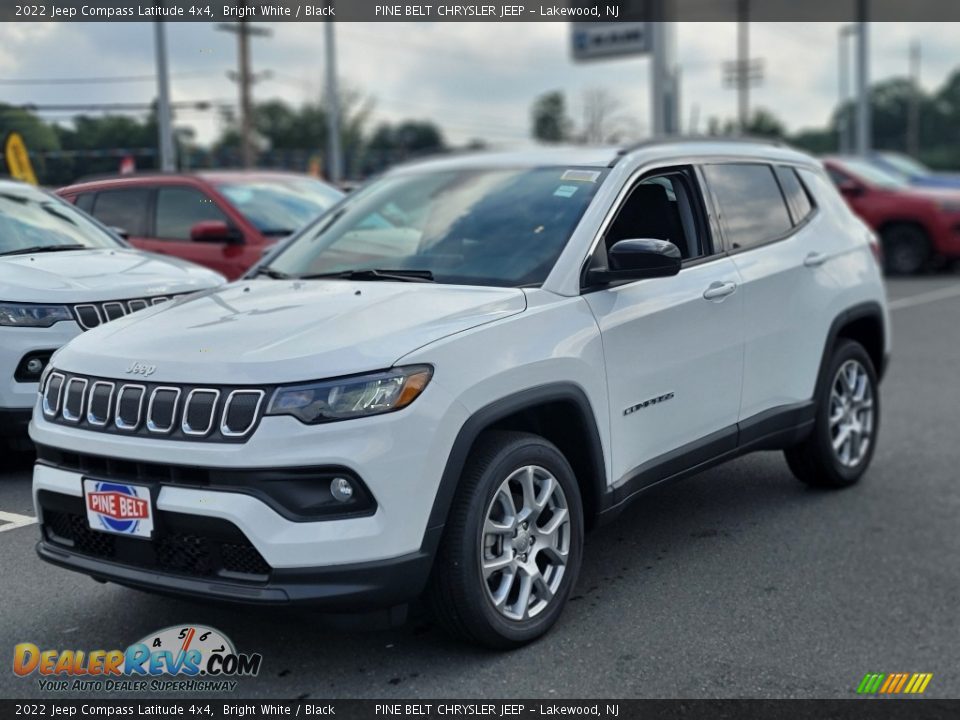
x=664, y=139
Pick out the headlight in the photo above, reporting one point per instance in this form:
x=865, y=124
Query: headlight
x=27, y=315
x=351, y=397
x=950, y=206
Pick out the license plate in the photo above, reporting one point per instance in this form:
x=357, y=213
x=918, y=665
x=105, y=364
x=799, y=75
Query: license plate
x=119, y=508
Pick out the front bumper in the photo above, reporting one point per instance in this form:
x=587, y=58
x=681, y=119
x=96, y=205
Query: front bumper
x=363, y=586
x=15, y=343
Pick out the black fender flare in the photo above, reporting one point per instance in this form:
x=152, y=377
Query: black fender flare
x=871, y=309
x=499, y=409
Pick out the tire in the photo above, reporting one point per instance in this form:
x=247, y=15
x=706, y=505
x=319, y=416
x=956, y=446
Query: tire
x=492, y=612
x=816, y=461
x=906, y=249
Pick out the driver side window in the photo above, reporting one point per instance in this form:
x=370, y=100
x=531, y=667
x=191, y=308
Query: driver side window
x=661, y=207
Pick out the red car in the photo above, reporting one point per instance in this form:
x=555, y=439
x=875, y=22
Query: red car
x=916, y=225
x=224, y=220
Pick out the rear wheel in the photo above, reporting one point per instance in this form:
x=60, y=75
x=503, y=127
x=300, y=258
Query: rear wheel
x=512, y=547
x=906, y=249
x=840, y=448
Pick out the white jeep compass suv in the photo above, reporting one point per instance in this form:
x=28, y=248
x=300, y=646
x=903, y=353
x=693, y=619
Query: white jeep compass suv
x=437, y=387
x=62, y=273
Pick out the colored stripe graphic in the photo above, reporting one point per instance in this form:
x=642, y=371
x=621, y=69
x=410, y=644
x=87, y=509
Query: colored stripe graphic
x=894, y=683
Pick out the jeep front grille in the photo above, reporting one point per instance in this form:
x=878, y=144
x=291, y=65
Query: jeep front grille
x=177, y=412
x=91, y=315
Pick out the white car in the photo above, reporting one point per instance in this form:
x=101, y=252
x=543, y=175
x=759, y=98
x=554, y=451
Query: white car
x=62, y=273
x=355, y=427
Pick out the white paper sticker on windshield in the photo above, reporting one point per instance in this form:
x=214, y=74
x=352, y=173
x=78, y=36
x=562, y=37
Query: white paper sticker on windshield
x=565, y=191
x=581, y=175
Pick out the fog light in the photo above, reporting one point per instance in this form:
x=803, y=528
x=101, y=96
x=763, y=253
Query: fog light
x=341, y=489
x=34, y=366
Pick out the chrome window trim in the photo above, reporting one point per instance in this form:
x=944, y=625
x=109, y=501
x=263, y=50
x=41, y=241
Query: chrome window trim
x=226, y=431
x=153, y=427
x=106, y=313
x=74, y=418
x=80, y=322
x=117, y=421
x=159, y=300
x=44, y=404
x=184, y=426
x=91, y=418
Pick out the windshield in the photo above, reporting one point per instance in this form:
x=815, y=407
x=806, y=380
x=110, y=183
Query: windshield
x=904, y=164
x=32, y=219
x=873, y=175
x=501, y=227
x=279, y=206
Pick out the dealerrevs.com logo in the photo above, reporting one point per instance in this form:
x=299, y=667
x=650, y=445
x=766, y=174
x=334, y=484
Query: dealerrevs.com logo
x=178, y=658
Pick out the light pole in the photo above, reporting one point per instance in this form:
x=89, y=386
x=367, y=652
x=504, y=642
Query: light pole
x=168, y=158
x=864, y=139
x=335, y=160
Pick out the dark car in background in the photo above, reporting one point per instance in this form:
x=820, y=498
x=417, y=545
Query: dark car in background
x=223, y=220
x=913, y=171
x=916, y=225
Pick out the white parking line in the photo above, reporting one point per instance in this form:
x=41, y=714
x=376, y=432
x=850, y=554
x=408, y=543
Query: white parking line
x=924, y=298
x=12, y=521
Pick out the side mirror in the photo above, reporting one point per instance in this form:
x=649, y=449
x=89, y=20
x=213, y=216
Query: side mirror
x=122, y=232
x=215, y=231
x=637, y=260
x=848, y=188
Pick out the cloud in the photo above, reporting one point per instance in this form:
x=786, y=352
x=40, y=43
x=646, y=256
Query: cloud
x=477, y=80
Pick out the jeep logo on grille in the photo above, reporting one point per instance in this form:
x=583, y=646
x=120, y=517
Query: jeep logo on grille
x=139, y=368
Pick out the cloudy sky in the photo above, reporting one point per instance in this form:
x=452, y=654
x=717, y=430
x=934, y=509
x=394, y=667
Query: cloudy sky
x=474, y=79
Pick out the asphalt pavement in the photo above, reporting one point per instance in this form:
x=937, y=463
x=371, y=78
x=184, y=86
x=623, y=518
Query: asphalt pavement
x=739, y=582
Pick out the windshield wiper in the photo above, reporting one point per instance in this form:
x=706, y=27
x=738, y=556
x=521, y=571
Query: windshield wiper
x=44, y=248
x=398, y=275
x=270, y=272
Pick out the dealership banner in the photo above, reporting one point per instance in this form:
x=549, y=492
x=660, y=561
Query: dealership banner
x=476, y=11
x=510, y=709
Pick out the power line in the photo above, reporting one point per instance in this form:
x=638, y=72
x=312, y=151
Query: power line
x=99, y=80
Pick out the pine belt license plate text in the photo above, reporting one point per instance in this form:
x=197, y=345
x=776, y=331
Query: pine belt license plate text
x=119, y=508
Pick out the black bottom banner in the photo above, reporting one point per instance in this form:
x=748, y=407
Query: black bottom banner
x=914, y=709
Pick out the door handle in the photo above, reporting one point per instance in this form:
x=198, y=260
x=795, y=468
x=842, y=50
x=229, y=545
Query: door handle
x=719, y=290
x=814, y=259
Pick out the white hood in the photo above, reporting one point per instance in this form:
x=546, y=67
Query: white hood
x=273, y=331
x=74, y=276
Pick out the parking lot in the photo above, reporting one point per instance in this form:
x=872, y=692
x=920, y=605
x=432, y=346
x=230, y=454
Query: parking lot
x=739, y=582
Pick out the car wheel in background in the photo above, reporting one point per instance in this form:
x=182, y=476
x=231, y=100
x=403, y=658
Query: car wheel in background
x=844, y=437
x=512, y=546
x=906, y=249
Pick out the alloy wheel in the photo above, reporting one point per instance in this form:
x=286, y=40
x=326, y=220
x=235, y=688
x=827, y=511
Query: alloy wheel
x=851, y=413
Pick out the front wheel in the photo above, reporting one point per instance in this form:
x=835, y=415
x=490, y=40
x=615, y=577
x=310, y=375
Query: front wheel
x=906, y=249
x=511, y=551
x=840, y=448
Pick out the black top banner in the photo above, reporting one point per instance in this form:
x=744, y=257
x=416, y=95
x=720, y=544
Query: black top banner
x=465, y=709
x=479, y=10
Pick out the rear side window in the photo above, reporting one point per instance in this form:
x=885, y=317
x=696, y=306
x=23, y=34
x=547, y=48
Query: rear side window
x=797, y=198
x=180, y=208
x=84, y=201
x=125, y=209
x=752, y=208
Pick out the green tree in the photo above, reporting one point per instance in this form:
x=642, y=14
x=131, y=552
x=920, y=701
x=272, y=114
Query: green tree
x=549, y=119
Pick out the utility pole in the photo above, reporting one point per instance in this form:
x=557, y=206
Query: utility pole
x=743, y=63
x=843, y=88
x=332, y=103
x=245, y=79
x=864, y=124
x=168, y=158
x=913, y=116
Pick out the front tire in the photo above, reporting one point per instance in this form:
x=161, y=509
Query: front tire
x=906, y=249
x=513, y=544
x=844, y=437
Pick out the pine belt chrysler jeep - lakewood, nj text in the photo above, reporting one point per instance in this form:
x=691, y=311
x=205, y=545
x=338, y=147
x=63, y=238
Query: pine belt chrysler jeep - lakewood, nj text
x=437, y=387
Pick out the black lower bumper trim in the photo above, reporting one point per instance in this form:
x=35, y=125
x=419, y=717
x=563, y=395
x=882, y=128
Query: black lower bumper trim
x=339, y=588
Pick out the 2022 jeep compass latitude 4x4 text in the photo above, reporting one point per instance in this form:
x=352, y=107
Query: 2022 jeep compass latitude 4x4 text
x=437, y=387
